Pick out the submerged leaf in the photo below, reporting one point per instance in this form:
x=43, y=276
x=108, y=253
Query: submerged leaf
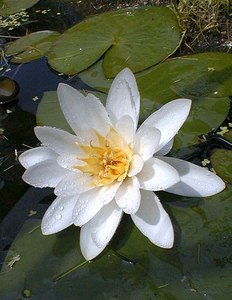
x=49, y=112
x=135, y=37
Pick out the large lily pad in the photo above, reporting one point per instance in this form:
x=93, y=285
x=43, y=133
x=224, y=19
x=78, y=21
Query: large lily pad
x=198, y=265
x=31, y=46
x=206, y=74
x=206, y=114
x=8, y=7
x=136, y=38
x=221, y=161
x=205, y=78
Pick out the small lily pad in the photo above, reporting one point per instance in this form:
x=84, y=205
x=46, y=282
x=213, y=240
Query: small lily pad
x=135, y=37
x=221, y=161
x=8, y=7
x=31, y=46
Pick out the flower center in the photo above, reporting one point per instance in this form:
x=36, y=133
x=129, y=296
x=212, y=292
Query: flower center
x=106, y=163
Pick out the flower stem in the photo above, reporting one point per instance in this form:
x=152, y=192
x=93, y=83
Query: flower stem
x=62, y=275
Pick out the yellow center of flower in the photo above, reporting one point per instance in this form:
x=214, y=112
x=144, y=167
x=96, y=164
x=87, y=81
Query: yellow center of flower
x=107, y=162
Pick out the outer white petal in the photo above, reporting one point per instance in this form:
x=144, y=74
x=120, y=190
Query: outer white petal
x=96, y=234
x=123, y=98
x=128, y=195
x=125, y=128
x=153, y=221
x=58, y=140
x=195, y=181
x=107, y=192
x=157, y=175
x=36, y=155
x=146, y=142
x=45, y=174
x=70, y=161
x=59, y=215
x=87, y=206
x=166, y=149
x=72, y=184
x=136, y=165
x=82, y=112
x=168, y=119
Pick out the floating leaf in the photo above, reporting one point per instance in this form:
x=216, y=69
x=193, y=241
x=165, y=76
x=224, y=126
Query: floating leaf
x=205, y=78
x=221, y=161
x=228, y=136
x=8, y=7
x=31, y=46
x=206, y=114
x=192, y=76
x=206, y=74
x=199, y=263
x=135, y=37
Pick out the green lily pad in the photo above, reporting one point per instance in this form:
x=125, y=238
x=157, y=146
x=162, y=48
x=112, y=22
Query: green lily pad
x=206, y=74
x=205, y=78
x=228, y=136
x=135, y=37
x=206, y=114
x=192, y=76
x=199, y=263
x=8, y=7
x=31, y=46
x=221, y=161
x=49, y=112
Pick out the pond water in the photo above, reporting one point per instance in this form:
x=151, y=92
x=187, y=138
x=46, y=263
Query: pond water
x=199, y=264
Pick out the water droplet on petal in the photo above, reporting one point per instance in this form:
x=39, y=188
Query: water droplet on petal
x=58, y=217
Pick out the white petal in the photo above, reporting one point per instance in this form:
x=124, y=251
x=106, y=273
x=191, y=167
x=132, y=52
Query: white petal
x=125, y=128
x=45, y=174
x=107, y=192
x=136, y=165
x=123, y=98
x=36, y=155
x=147, y=142
x=165, y=149
x=70, y=162
x=128, y=195
x=58, y=140
x=59, y=215
x=153, y=221
x=73, y=183
x=96, y=234
x=157, y=175
x=168, y=119
x=87, y=206
x=82, y=112
x=195, y=181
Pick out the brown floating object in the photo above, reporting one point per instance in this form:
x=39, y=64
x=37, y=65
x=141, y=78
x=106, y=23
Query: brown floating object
x=8, y=90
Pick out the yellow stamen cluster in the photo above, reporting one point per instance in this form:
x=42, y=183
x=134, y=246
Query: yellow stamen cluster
x=106, y=162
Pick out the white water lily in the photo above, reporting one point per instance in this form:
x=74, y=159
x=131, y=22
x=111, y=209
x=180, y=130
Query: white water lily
x=109, y=167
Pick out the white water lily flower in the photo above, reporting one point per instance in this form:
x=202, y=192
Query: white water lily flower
x=109, y=167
